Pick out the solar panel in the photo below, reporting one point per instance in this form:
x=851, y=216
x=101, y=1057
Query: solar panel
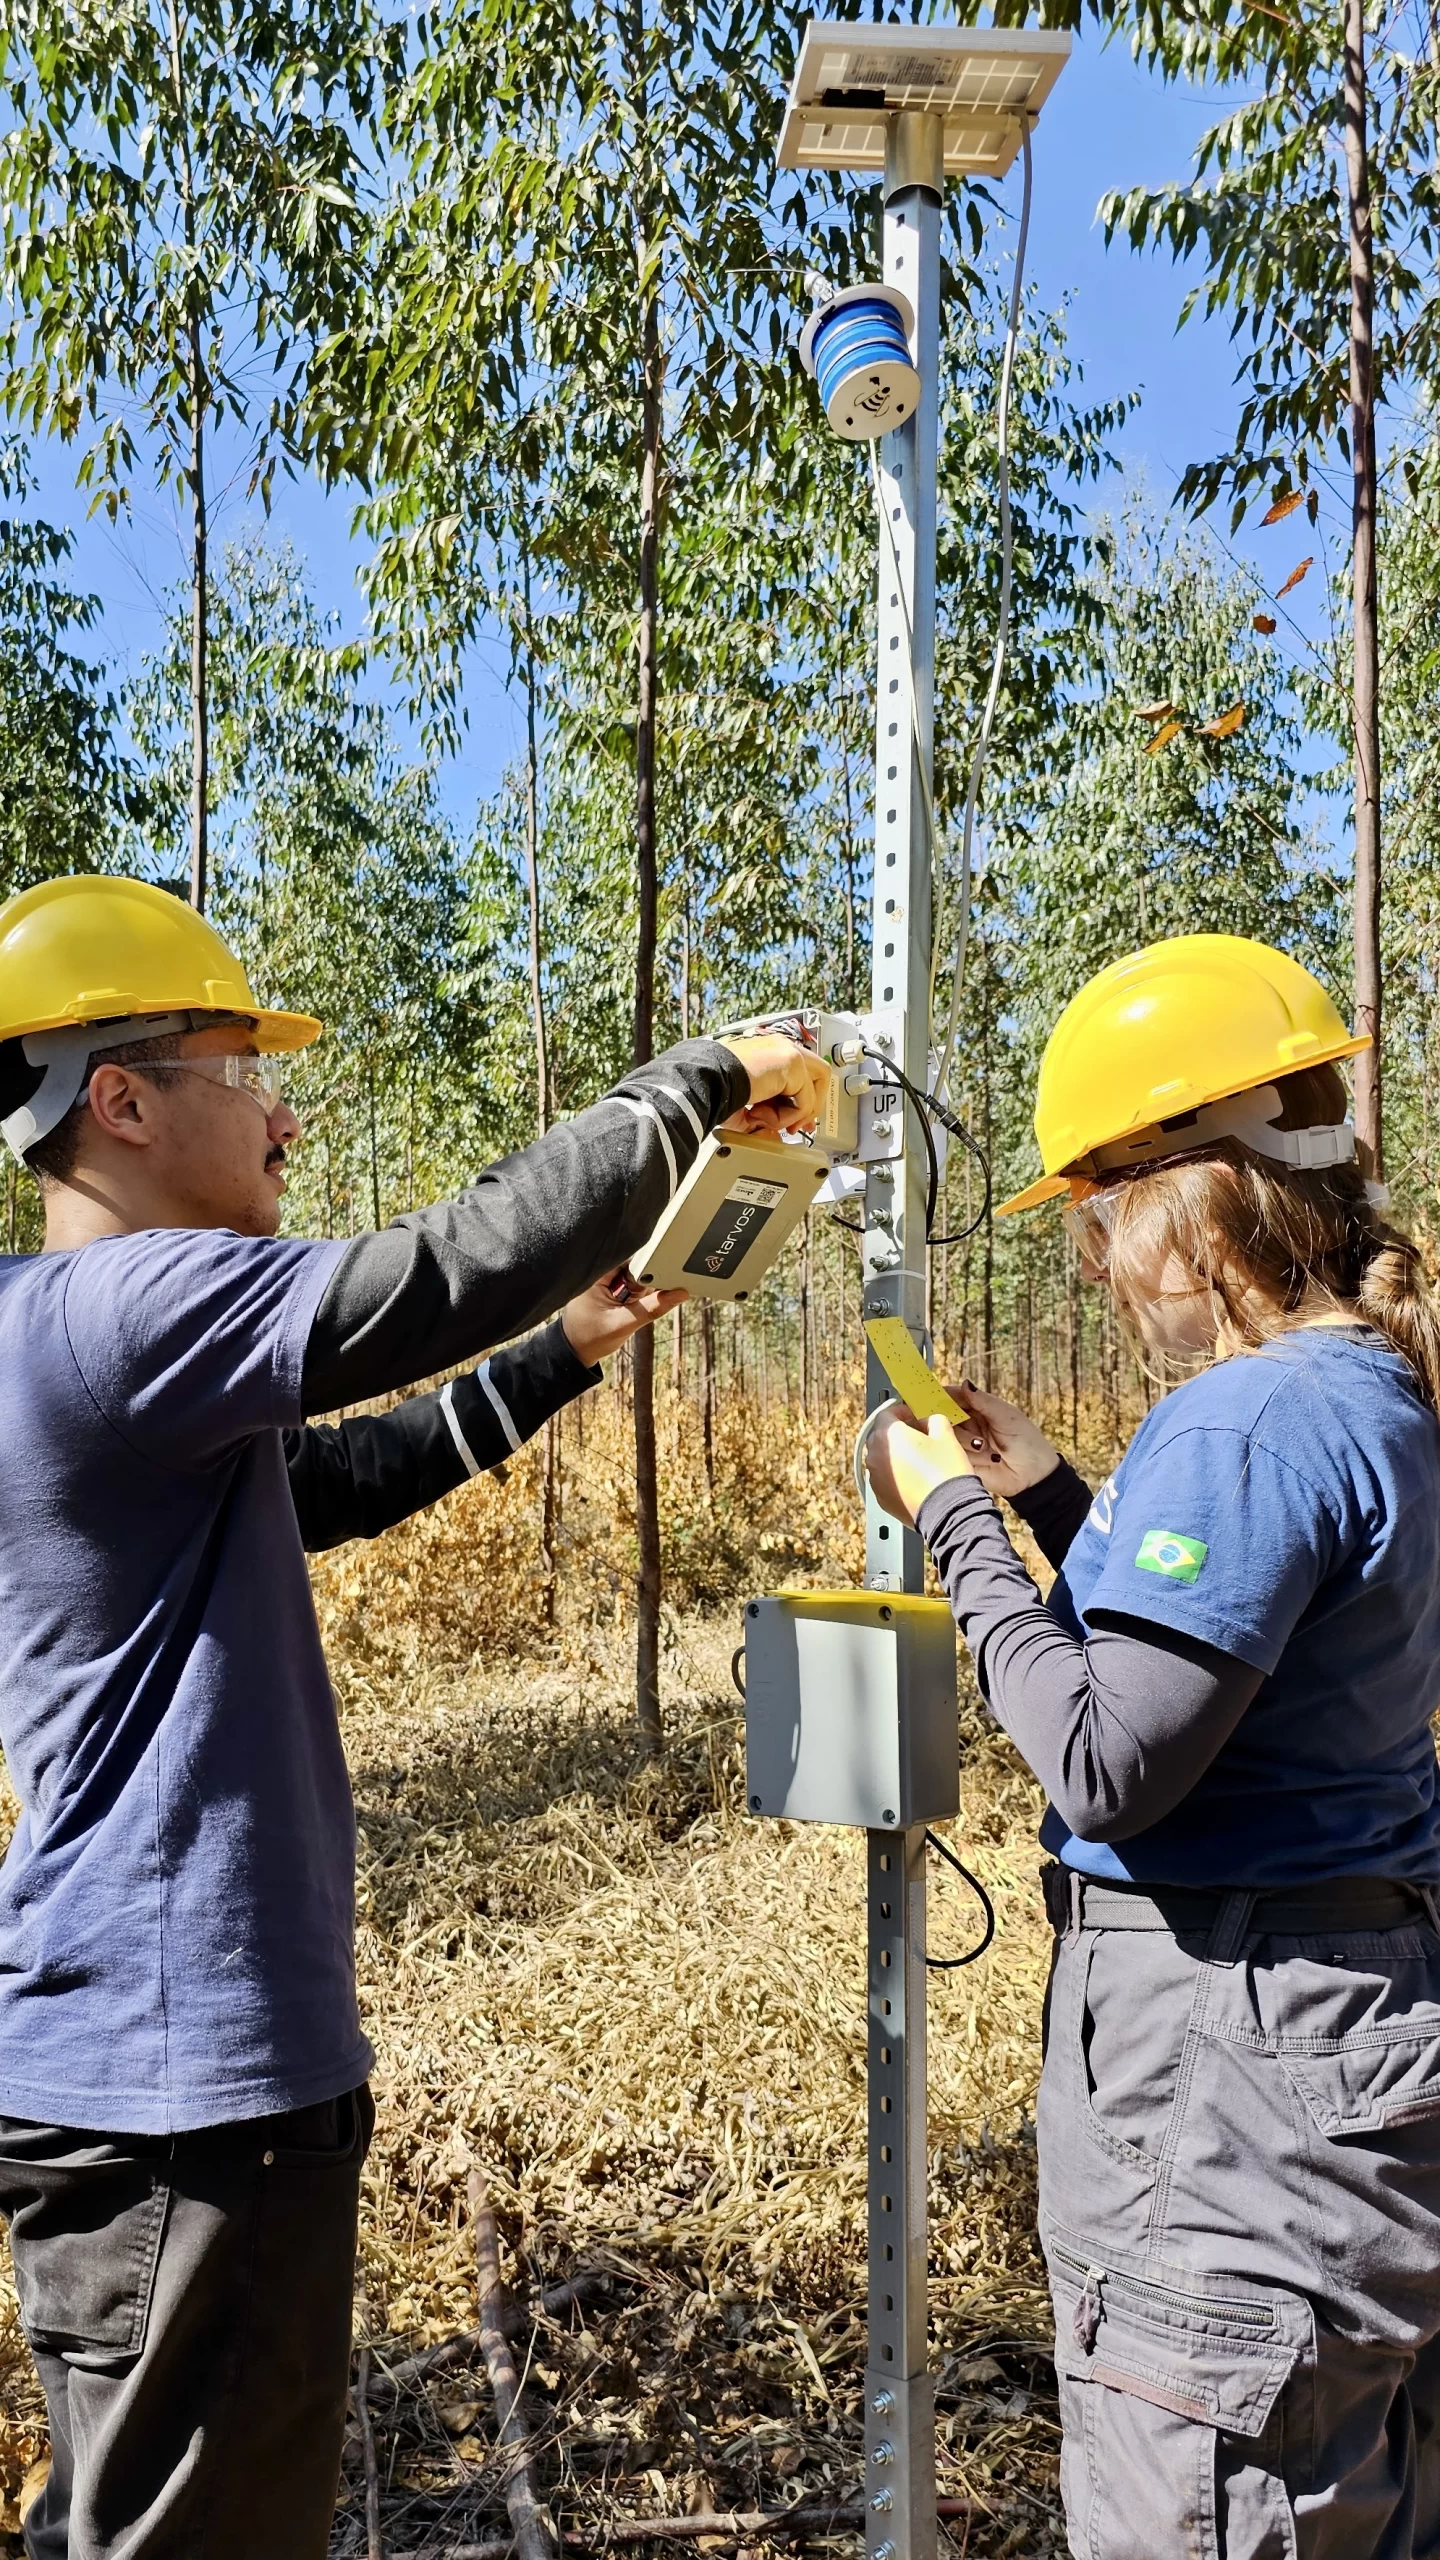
x=851, y=80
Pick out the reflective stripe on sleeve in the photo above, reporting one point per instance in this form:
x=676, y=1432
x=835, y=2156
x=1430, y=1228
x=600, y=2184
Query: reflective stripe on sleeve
x=507, y=1424
x=447, y=1407
x=647, y=1111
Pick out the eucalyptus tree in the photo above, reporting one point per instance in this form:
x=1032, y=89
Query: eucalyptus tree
x=1316, y=212
x=343, y=887
x=64, y=784
x=590, y=209
x=178, y=185
x=1410, y=656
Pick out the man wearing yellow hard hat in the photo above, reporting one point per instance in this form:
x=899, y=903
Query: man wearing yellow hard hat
x=183, y=2102
x=1227, y=1697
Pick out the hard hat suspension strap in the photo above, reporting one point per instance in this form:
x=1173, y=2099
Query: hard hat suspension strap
x=64, y=1057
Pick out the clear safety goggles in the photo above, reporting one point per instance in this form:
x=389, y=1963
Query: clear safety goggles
x=242, y=1071
x=1089, y=1217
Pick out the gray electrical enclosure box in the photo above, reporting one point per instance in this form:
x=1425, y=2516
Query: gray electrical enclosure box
x=850, y=1708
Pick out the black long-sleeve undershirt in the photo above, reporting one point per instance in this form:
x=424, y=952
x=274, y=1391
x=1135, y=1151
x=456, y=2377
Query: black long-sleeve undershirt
x=1119, y=1726
x=440, y=1285
x=355, y=1478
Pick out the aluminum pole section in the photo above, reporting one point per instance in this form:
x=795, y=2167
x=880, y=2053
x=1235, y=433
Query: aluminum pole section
x=894, y=1246
x=899, y=2391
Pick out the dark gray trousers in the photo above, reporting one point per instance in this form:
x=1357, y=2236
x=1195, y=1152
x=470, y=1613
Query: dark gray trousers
x=1239, y=2144
x=187, y=2299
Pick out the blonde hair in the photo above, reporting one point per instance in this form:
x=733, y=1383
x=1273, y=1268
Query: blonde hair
x=1268, y=1242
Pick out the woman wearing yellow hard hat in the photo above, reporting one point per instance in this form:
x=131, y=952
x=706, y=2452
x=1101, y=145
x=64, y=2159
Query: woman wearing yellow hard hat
x=1227, y=1698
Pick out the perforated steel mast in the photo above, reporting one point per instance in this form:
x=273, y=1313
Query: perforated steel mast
x=913, y=106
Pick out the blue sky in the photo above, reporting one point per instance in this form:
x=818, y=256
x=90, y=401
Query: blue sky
x=1107, y=124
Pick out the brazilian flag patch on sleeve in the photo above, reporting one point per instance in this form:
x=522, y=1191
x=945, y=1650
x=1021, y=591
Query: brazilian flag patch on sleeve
x=1165, y=1551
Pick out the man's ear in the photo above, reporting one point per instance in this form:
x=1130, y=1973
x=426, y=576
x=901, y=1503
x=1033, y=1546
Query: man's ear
x=123, y=1105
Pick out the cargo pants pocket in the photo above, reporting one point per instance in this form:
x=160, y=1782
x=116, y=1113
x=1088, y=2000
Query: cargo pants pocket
x=85, y=2235
x=1171, y=2405
x=1356, y=2027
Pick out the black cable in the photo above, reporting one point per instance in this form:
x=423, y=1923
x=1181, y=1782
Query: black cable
x=926, y=1105
x=959, y=1129
x=919, y=1099
x=949, y=1964
x=736, y=1674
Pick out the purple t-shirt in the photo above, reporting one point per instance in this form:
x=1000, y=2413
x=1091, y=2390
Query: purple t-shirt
x=177, y=1904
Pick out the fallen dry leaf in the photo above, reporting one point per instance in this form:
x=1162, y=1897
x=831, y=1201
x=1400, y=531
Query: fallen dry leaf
x=1263, y=622
x=1295, y=576
x=1163, y=735
x=1226, y=722
x=1284, y=507
x=1156, y=711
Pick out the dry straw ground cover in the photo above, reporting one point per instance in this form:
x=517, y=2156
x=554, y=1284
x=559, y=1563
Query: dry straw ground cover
x=643, y=2015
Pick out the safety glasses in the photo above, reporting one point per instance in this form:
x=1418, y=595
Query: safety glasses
x=1087, y=1224
x=243, y=1073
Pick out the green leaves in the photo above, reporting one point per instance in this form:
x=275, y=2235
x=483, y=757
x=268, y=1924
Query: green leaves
x=63, y=784
x=160, y=175
x=1265, y=212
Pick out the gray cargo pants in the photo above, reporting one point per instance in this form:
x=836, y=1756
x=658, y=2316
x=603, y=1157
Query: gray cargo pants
x=1239, y=2141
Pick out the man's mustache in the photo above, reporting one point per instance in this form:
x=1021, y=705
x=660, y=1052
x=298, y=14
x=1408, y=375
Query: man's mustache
x=275, y=1157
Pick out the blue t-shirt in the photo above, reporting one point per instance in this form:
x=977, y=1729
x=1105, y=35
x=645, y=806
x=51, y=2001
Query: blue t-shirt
x=1284, y=1506
x=177, y=1903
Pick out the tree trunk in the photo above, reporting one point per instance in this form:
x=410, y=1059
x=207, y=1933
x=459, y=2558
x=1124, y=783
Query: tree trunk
x=707, y=1389
x=1366, y=707
x=647, y=1506
x=376, y=1219
x=199, y=528
x=532, y=869
x=550, y=1458
x=199, y=641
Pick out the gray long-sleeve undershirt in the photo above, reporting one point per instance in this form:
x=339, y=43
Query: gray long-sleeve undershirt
x=1119, y=1726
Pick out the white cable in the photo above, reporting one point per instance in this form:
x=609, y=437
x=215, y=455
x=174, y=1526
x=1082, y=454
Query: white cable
x=1002, y=634
x=862, y=1438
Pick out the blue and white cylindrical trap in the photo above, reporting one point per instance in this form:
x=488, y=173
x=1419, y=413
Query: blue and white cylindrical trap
x=856, y=348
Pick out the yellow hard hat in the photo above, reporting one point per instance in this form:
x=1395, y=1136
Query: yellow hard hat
x=98, y=949
x=1165, y=1031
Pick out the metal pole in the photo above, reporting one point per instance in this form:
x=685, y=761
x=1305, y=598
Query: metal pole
x=899, y=2392
x=894, y=1247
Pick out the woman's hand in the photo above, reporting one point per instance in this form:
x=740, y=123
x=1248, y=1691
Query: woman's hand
x=787, y=1084
x=601, y=1318
x=1007, y=1450
x=906, y=1459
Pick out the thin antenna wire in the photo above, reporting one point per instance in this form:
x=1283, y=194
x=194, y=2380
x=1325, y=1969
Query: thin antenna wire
x=1002, y=634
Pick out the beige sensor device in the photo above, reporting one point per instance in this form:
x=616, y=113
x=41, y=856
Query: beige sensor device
x=732, y=1213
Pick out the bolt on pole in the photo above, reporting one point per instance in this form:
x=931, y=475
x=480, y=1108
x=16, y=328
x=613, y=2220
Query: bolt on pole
x=899, y=2391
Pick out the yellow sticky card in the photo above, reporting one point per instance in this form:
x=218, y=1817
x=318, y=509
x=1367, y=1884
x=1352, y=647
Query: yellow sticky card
x=908, y=1371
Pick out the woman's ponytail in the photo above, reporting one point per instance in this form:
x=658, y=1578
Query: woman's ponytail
x=1395, y=1297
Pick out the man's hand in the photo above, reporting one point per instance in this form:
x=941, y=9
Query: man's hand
x=906, y=1459
x=787, y=1084
x=601, y=1318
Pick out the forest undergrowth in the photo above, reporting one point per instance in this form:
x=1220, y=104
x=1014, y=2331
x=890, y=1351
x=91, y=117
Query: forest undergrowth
x=642, y=2016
